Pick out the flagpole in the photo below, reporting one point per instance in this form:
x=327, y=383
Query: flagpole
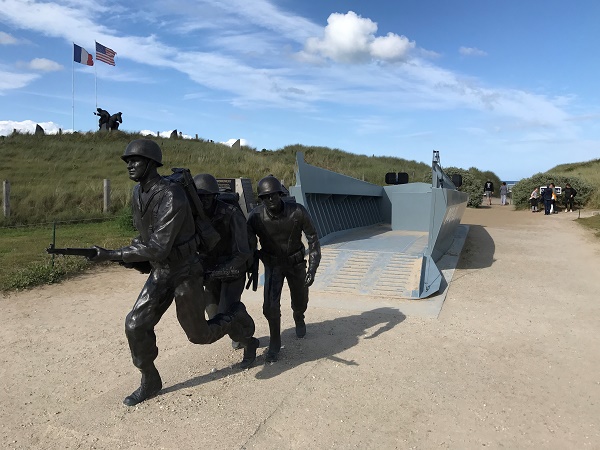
x=73, y=91
x=96, y=78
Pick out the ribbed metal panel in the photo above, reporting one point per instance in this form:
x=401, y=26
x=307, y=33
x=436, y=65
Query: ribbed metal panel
x=335, y=212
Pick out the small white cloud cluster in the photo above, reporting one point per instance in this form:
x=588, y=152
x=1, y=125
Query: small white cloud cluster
x=230, y=142
x=26, y=126
x=7, y=39
x=41, y=65
x=349, y=38
x=471, y=51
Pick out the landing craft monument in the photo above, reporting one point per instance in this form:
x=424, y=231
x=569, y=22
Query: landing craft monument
x=380, y=240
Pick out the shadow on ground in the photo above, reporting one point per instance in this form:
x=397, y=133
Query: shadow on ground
x=478, y=251
x=333, y=336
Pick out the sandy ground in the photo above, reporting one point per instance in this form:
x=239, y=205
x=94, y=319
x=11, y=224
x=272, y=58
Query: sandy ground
x=512, y=361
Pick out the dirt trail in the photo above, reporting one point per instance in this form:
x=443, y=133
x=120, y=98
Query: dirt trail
x=513, y=361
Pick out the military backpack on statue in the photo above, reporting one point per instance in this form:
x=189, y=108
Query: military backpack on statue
x=208, y=235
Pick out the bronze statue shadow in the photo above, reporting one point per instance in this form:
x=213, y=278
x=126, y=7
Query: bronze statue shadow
x=478, y=250
x=334, y=336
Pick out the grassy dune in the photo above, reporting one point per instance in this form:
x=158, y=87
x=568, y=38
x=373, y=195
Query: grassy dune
x=61, y=177
x=589, y=171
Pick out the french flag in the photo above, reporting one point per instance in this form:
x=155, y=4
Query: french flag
x=80, y=55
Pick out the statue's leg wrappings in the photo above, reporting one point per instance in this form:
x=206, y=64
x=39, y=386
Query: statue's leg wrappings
x=299, y=296
x=274, y=278
x=154, y=299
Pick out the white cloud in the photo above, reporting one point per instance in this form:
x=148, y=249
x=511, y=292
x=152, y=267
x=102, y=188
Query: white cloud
x=7, y=39
x=26, y=126
x=230, y=142
x=164, y=134
x=167, y=134
x=274, y=82
x=41, y=64
x=11, y=80
x=349, y=38
x=471, y=51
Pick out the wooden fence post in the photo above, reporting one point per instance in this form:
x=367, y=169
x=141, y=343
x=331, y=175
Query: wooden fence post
x=106, y=195
x=6, y=202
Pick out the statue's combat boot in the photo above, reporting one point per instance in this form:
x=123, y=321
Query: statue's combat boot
x=300, y=325
x=242, y=324
x=150, y=386
x=274, y=340
x=249, y=353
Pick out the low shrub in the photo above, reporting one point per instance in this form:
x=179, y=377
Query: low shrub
x=523, y=189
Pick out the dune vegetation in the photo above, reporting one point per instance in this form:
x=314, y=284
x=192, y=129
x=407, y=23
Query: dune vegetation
x=56, y=189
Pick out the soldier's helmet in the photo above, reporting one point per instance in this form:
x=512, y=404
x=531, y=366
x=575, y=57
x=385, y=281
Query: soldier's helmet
x=269, y=185
x=206, y=184
x=146, y=148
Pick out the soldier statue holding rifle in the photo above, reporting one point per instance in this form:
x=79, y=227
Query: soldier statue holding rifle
x=169, y=241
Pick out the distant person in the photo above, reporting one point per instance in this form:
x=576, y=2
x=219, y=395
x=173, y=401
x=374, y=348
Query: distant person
x=570, y=194
x=488, y=190
x=533, y=199
x=503, y=193
x=553, y=206
x=547, y=198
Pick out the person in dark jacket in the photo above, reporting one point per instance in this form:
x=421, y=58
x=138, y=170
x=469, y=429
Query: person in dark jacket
x=488, y=191
x=547, y=198
x=226, y=264
x=168, y=241
x=279, y=226
x=569, y=194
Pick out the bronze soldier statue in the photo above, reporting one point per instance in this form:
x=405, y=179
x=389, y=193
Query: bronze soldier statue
x=226, y=264
x=103, y=119
x=279, y=226
x=114, y=121
x=169, y=242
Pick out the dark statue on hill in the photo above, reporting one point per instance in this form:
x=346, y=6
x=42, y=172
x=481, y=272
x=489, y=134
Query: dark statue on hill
x=107, y=121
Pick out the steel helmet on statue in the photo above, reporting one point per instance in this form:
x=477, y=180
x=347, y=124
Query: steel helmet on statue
x=206, y=184
x=146, y=148
x=269, y=185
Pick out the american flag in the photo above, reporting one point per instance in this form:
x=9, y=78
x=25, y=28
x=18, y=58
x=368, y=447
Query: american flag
x=105, y=54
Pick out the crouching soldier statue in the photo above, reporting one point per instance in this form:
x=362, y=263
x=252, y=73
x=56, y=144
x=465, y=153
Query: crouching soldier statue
x=279, y=226
x=169, y=242
x=226, y=264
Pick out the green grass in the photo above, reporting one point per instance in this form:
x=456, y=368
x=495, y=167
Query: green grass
x=588, y=171
x=25, y=263
x=593, y=223
x=60, y=177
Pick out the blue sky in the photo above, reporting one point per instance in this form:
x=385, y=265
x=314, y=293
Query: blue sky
x=508, y=86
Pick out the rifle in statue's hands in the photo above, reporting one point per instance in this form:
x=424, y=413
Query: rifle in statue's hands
x=91, y=252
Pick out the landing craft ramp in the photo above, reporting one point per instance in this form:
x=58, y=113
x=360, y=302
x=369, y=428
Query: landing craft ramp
x=380, y=241
x=373, y=261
